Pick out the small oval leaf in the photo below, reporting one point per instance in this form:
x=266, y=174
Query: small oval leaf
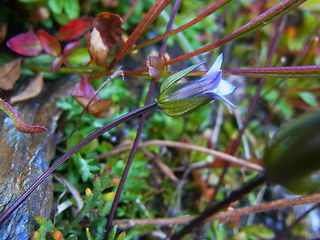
x=26, y=44
x=49, y=43
x=74, y=29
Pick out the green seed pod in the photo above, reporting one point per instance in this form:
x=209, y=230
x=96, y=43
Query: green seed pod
x=293, y=157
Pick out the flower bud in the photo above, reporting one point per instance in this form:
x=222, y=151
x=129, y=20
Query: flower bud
x=88, y=192
x=155, y=67
x=179, y=99
x=108, y=196
x=293, y=157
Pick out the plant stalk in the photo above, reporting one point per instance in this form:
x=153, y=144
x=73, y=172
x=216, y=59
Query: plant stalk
x=72, y=151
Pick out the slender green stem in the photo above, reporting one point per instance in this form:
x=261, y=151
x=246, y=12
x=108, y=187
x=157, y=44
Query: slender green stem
x=72, y=151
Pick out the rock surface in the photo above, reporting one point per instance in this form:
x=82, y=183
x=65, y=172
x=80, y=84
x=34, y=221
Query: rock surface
x=25, y=157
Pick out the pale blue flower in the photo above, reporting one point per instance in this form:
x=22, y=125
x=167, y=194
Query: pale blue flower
x=178, y=99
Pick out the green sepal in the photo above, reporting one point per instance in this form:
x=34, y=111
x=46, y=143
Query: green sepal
x=184, y=106
x=177, y=76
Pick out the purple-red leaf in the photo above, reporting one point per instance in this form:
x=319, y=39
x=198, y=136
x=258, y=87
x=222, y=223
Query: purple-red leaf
x=74, y=29
x=109, y=27
x=70, y=47
x=83, y=92
x=18, y=124
x=84, y=89
x=49, y=43
x=97, y=108
x=56, y=63
x=26, y=44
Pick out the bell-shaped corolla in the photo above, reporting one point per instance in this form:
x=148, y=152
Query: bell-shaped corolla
x=179, y=99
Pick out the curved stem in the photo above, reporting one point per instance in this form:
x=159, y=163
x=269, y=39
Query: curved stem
x=72, y=151
x=129, y=163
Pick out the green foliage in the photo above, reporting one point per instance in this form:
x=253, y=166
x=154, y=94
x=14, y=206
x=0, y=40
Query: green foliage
x=258, y=231
x=86, y=167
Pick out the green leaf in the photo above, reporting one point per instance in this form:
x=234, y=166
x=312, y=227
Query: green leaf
x=56, y=6
x=259, y=231
x=79, y=56
x=45, y=226
x=112, y=234
x=72, y=8
x=311, y=5
x=121, y=236
x=89, y=236
x=309, y=98
x=177, y=76
x=85, y=167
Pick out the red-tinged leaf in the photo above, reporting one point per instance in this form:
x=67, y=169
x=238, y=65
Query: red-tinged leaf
x=97, y=50
x=56, y=63
x=32, y=90
x=84, y=89
x=109, y=27
x=10, y=73
x=26, y=44
x=97, y=108
x=49, y=43
x=70, y=47
x=74, y=29
x=18, y=124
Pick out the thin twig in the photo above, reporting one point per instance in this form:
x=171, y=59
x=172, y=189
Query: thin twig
x=129, y=163
x=261, y=207
x=220, y=155
x=287, y=230
x=208, y=212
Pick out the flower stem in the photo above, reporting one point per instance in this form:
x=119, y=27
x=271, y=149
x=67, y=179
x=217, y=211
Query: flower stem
x=129, y=163
x=72, y=151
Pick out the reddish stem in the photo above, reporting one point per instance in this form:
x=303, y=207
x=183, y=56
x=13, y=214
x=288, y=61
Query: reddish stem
x=206, y=13
x=262, y=20
x=152, y=14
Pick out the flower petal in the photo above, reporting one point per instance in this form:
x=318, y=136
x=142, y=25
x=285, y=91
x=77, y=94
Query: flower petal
x=216, y=65
x=222, y=98
x=213, y=70
x=224, y=88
